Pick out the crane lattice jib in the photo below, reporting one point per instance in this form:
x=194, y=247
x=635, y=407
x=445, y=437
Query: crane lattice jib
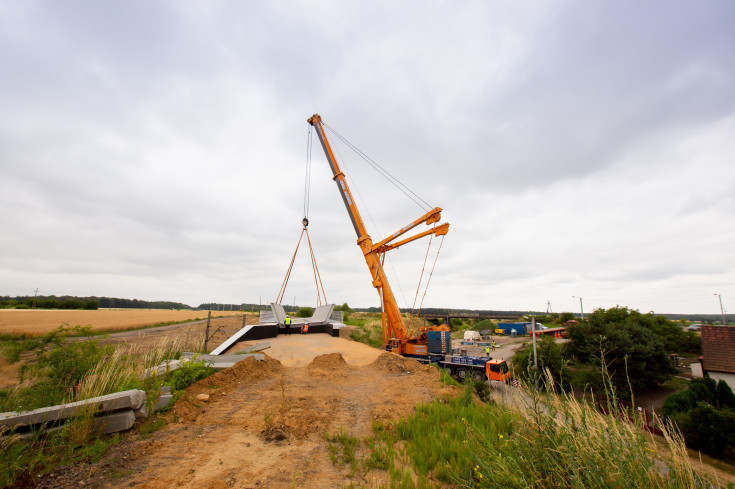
x=394, y=328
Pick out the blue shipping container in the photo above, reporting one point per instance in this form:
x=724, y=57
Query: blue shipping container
x=439, y=341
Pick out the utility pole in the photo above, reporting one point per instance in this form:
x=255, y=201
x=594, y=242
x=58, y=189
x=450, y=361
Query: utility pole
x=33, y=305
x=724, y=319
x=535, y=359
x=548, y=306
x=580, y=305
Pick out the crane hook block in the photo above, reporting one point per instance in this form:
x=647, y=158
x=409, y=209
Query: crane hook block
x=305, y=222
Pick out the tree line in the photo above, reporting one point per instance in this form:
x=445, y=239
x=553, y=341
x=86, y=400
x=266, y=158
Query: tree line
x=89, y=303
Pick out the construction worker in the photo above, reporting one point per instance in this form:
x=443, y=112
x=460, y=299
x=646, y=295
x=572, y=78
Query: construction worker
x=487, y=350
x=305, y=329
x=494, y=345
x=287, y=323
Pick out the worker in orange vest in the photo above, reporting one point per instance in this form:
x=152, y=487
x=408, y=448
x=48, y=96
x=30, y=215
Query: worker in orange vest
x=305, y=329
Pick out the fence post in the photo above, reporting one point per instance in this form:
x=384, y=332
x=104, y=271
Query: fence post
x=206, y=333
x=243, y=319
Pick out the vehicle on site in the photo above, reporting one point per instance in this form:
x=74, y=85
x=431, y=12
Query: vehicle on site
x=432, y=344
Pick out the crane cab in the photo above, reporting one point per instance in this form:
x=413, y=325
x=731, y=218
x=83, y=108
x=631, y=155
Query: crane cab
x=497, y=370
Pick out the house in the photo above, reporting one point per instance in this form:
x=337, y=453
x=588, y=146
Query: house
x=718, y=353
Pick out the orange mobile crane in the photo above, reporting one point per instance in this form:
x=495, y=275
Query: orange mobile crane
x=396, y=337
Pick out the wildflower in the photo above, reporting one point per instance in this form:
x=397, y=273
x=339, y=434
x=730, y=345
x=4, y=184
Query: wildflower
x=501, y=436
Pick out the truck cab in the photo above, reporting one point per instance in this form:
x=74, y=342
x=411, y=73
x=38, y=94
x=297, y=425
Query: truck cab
x=497, y=370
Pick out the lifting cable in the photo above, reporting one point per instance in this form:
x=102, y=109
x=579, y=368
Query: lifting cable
x=356, y=188
x=305, y=222
x=430, y=275
x=317, y=277
x=418, y=287
x=385, y=173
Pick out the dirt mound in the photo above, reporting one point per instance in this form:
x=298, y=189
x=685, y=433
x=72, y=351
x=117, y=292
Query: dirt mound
x=216, y=386
x=396, y=364
x=329, y=361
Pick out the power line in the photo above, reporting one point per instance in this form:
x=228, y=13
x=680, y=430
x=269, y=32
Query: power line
x=385, y=173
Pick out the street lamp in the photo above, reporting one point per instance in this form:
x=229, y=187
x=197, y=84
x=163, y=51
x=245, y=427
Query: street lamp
x=724, y=319
x=580, y=305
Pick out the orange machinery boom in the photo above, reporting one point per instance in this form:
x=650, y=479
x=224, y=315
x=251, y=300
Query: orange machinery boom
x=396, y=336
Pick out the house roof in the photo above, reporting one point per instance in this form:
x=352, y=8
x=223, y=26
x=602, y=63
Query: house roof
x=718, y=348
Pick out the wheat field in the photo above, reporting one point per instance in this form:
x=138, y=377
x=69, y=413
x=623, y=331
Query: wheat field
x=40, y=321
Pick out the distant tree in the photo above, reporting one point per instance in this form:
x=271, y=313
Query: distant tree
x=633, y=353
x=305, y=312
x=566, y=316
x=346, y=310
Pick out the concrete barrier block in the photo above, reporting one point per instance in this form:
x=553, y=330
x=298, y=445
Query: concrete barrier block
x=258, y=347
x=114, y=422
x=132, y=399
x=163, y=368
x=163, y=401
x=212, y=359
x=142, y=411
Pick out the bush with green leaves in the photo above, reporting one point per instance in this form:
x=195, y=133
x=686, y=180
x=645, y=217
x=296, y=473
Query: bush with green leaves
x=549, y=356
x=305, y=312
x=635, y=353
x=189, y=373
x=346, y=310
x=705, y=415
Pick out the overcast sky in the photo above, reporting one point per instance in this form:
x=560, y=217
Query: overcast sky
x=157, y=149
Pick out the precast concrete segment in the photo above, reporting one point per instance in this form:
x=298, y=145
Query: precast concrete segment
x=231, y=340
x=163, y=401
x=322, y=313
x=132, y=399
x=114, y=422
x=234, y=358
x=258, y=347
x=279, y=312
x=163, y=368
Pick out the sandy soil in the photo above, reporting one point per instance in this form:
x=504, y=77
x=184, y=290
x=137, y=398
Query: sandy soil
x=264, y=424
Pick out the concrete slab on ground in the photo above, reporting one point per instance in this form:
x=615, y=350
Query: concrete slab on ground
x=132, y=399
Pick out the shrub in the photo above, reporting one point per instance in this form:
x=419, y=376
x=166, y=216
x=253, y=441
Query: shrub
x=189, y=373
x=708, y=429
x=305, y=312
x=549, y=357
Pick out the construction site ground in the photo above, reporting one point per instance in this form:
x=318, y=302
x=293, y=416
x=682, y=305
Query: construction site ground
x=264, y=423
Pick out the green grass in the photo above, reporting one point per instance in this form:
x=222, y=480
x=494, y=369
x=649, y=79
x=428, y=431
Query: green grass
x=523, y=439
x=676, y=383
x=369, y=331
x=56, y=371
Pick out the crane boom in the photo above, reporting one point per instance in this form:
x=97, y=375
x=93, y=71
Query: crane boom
x=396, y=336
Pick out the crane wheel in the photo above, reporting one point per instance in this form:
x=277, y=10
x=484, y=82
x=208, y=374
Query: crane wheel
x=478, y=376
x=463, y=374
